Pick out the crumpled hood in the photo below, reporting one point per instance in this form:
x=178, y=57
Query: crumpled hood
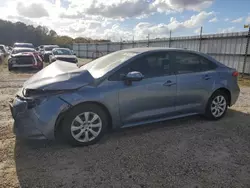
x=59, y=75
x=65, y=56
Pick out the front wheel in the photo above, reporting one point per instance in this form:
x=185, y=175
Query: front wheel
x=217, y=106
x=84, y=125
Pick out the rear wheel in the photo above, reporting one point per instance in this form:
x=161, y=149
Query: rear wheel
x=84, y=125
x=217, y=106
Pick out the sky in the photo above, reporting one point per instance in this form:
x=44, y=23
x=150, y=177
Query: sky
x=127, y=19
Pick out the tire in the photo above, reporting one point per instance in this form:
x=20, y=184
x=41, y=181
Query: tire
x=217, y=105
x=46, y=58
x=72, y=126
x=10, y=68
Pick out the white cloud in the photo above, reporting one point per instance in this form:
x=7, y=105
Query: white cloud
x=162, y=30
x=119, y=9
x=227, y=30
x=226, y=19
x=248, y=20
x=213, y=20
x=238, y=20
x=79, y=19
x=33, y=10
x=197, y=31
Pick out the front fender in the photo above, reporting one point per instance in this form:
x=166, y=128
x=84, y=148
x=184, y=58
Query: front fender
x=107, y=99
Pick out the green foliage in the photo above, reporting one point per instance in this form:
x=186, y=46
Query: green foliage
x=19, y=32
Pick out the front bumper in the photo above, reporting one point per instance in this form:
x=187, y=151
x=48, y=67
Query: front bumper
x=37, y=122
x=22, y=65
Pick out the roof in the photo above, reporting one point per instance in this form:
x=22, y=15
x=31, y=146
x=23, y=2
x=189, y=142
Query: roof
x=49, y=45
x=61, y=48
x=148, y=49
x=22, y=43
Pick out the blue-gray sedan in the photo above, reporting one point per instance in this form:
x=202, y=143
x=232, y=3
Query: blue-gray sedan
x=122, y=89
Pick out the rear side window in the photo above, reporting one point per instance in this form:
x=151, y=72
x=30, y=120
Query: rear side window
x=189, y=63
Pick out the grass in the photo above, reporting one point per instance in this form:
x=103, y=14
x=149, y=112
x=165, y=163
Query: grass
x=244, y=81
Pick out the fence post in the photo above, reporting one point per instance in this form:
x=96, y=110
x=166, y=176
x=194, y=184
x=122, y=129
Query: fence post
x=200, y=39
x=121, y=44
x=246, y=52
x=78, y=49
x=108, y=48
x=170, y=35
x=87, y=50
x=133, y=42
x=148, y=41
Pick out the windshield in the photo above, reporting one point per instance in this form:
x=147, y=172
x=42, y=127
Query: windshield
x=22, y=50
x=24, y=45
x=102, y=65
x=62, y=52
x=50, y=48
x=2, y=48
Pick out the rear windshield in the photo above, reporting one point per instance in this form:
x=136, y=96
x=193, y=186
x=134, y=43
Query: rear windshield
x=50, y=48
x=62, y=52
x=22, y=50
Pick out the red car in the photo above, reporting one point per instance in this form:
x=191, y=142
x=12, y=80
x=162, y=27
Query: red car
x=24, y=57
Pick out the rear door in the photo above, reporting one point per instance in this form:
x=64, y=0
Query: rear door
x=195, y=80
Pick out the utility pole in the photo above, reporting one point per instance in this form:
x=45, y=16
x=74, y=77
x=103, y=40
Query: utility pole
x=247, y=46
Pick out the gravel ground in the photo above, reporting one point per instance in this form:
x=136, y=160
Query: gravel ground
x=189, y=152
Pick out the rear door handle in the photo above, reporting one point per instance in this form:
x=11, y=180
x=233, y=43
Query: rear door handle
x=169, y=83
x=206, y=77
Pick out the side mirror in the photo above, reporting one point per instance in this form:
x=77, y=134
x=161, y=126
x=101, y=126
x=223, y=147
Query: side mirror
x=134, y=76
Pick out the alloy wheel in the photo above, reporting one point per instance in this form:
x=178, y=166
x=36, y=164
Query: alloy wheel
x=218, y=106
x=86, y=126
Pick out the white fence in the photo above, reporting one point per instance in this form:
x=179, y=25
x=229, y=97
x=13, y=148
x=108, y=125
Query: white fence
x=228, y=48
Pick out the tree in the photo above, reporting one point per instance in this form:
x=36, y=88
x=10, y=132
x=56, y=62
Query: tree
x=20, y=32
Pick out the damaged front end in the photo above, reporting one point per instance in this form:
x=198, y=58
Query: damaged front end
x=38, y=104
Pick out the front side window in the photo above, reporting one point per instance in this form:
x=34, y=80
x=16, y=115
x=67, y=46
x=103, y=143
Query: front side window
x=154, y=65
x=189, y=63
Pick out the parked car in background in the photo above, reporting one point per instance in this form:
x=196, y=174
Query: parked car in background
x=63, y=54
x=4, y=50
x=24, y=57
x=1, y=56
x=47, y=51
x=122, y=89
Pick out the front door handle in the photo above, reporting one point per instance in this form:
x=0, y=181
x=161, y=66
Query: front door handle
x=206, y=77
x=169, y=83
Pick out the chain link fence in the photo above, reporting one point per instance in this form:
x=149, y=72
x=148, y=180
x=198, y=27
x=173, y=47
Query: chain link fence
x=228, y=48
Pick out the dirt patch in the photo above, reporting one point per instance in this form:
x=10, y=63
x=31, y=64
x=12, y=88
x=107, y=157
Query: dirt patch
x=189, y=152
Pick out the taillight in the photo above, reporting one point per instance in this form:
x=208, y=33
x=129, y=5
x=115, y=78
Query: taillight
x=235, y=74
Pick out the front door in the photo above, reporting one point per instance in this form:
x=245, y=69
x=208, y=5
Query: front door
x=151, y=98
